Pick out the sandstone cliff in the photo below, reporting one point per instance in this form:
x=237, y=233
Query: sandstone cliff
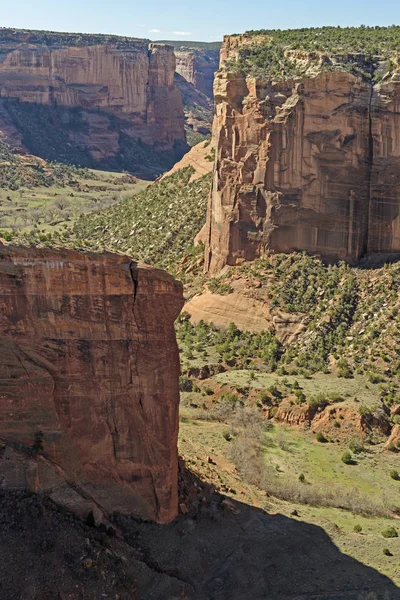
x=306, y=162
x=198, y=66
x=123, y=90
x=89, y=373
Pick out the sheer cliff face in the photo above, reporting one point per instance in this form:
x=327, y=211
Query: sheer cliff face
x=88, y=357
x=131, y=82
x=198, y=66
x=303, y=165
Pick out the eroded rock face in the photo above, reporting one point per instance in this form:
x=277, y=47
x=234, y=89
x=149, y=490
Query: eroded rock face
x=198, y=66
x=303, y=165
x=121, y=86
x=88, y=358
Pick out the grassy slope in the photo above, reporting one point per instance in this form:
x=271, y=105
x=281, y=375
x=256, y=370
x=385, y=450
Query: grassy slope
x=157, y=225
x=45, y=197
x=201, y=438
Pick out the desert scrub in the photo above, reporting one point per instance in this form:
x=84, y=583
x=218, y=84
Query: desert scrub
x=157, y=225
x=358, y=50
x=15, y=172
x=230, y=344
x=217, y=287
x=390, y=532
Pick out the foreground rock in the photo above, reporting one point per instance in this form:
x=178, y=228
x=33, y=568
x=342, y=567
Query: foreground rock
x=89, y=381
x=303, y=164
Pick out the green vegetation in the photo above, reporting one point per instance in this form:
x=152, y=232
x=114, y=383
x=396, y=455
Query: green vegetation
x=347, y=459
x=390, y=532
x=231, y=346
x=60, y=39
x=17, y=171
x=344, y=313
x=157, y=226
x=367, y=52
x=40, y=201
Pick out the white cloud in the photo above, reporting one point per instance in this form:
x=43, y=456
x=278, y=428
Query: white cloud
x=154, y=31
x=182, y=32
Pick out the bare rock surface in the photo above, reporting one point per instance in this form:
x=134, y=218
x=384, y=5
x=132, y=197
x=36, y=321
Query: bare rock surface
x=303, y=164
x=120, y=85
x=198, y=66
x=89, y=373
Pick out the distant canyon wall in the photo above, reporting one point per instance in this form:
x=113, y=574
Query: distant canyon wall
x=89, y=372
x=124, y=89
x=308, y=165
x=198, y=66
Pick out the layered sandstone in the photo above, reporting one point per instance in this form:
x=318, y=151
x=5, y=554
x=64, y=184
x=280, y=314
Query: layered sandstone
x=89, y=373
x=309, y=163
x=123, y=86
x=198, y=66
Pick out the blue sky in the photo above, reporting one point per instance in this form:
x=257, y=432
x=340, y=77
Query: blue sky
x=188, y=19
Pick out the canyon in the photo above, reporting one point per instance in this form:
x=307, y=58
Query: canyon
x=303, y=163
x=198, y=66
x=99, y=100
x=89, y=373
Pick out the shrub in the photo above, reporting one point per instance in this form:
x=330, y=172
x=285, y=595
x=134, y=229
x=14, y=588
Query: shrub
x=37, y=446
x=387, y=552
x=320, y=437
x=375, y=378
x=395, y=475
x=347, y=458
x=302, y=478
x=390, y=532
x=356, y=446
x=318, y=402
x=227, y=435
x=185, y=384
x=357, y=528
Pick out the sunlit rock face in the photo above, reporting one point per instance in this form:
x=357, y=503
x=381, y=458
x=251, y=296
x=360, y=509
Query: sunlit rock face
x=308, y=165
x=121, y=86
x=89, y=373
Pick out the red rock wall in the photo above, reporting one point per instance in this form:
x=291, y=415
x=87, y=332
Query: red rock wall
x=311, y=165
x=88, y=356
x=132, y=81
x=198, y=66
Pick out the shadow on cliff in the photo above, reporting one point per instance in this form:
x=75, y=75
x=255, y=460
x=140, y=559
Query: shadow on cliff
x=230, y=550
x=377, y=261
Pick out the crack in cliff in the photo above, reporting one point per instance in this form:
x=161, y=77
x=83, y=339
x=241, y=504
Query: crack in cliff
x=135, y=280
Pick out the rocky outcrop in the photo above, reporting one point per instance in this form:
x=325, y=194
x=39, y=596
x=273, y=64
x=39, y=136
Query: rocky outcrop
x=393, y=443
x=200, y=158
x=198, y=66
x=123, y=87
x=89, y=374
x=308, y=163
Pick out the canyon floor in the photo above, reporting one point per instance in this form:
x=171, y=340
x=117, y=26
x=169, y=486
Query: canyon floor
x=269, y=508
